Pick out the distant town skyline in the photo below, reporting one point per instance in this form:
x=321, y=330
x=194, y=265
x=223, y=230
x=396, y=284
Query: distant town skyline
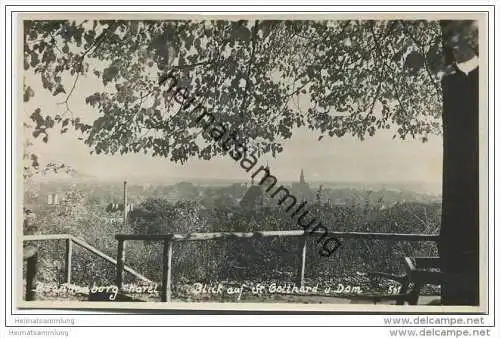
x=378, y=159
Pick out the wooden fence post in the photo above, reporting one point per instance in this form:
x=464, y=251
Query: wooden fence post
x=67, y=260
x=167, y=270
x=125, y=202
x=31, y=256
x=302, y=268
x=120, y=263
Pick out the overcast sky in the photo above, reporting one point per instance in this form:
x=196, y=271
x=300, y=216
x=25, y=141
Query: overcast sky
x=377, y=159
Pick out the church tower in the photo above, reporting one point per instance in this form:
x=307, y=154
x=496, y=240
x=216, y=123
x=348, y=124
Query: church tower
x=302, y=180
x=301, y=189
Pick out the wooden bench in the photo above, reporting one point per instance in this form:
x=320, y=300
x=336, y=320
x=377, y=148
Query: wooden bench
x=418, y=270
x=418, y=273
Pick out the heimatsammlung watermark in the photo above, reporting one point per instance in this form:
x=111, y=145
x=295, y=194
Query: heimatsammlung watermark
x=230, y=142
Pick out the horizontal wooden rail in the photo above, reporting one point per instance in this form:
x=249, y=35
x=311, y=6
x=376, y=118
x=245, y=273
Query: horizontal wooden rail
x=287, y=233
x=388, y=236
x=86, y=246
x=46, y=237
x=231, y=235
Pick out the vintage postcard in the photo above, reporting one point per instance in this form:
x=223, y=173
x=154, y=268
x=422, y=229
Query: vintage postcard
x=312, y=162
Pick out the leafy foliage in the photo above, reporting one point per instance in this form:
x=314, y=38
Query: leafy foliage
x=157, y=216
x=355, y=76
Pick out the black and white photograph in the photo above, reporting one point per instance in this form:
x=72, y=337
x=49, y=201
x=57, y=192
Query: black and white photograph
x=328, y=161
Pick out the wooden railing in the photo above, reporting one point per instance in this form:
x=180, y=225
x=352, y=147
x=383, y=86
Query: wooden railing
x=70, y=240
x=169, y=239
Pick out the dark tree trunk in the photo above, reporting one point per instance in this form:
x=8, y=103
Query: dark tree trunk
x=459, y=235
